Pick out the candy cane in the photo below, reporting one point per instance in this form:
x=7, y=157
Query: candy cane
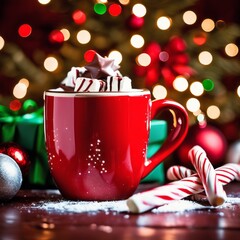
x=213, y=188
x=225, y=174
x=142, y=202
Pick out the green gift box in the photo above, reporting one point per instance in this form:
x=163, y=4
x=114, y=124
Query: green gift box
x=26, y=129
x=158, y=134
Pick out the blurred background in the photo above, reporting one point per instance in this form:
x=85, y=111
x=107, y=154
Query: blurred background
x=185, y=50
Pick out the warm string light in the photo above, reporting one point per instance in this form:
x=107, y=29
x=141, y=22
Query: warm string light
x=164, y=22
x=139, y=10
x=231, y=50
x=20, y=89
x=44, y=2
x=83, y=36
x=143, y=59
x=208, y=25
x=66, y=34
x=180, y=84
x=159, y=92
x=2, y=43
x=116, y=55
x=137, y=41
x=50, y=64
x=205, y=58
x=189, y=17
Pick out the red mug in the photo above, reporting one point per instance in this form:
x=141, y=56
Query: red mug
x=97, y=142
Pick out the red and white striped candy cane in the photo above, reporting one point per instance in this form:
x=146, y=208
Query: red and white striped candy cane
x=213, y=188
x=225, y=174
x=144, y=201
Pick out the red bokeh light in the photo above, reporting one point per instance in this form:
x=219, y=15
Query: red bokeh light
x=115, y=10
x=24, y=30
x=89, y=55
x=15, y=105
x=56, y=36
x=79, y=17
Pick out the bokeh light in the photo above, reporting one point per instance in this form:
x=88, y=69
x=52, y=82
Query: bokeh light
x=180, y=83
x=83, y=36
x=25, y=30
x=200, y=38
x=208, y=25
x=159, y=92
x=193, y=105
x=163, y=56
x=164, y=22
x=19, y=90
x=24, y=81
x=115, y=9
x=231, y=50
x=116, y=55
x=89, y=55
x=238, y=91
x=205, y=58
x=189, y=17
x=124, y=2
x=196, y=88
x=50, y=64
x=137, y=41
x=2, y=42
x=15, y=105
x=56, y=36
x=44, y=2
x=213, y=112
x=79, y=17
x=139, y=10
x=66, y=34
x=100, y=8
x=143, y=59
x=208, y=84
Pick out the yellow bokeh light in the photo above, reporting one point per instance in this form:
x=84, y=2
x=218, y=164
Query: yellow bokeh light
x=66, y=34
x=44, y=2
x=116, y=55
x=208, y=25
x=20, y=90
x=24, y=81
x=124, y=2
x=164, y=23
x=2, y=43
x=139, y=10
x=137, y=41
x=189, y=17
x=180, y=83
x=213, y=112
x=196, y=88
x=238, y=91
x=51, y=64
x=231, y=50
x=83, y=36
x=193, y=105
x=205, y=58
x=159, y=92
x=143, y=59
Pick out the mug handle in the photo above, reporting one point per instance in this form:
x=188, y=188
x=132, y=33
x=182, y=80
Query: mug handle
x=178, y=131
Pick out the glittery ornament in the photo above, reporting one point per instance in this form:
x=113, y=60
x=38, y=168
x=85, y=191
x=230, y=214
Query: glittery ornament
x=18, y=154
x=10, y=177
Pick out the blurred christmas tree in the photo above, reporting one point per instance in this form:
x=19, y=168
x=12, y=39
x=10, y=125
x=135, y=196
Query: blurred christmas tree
x=168, y=46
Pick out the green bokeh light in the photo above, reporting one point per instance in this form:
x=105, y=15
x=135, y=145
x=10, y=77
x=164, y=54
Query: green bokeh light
x=100, y=8
x=208, y=84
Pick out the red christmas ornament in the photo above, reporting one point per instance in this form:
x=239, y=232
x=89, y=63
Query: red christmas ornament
x=167, y=62
x=209, y=138
x=19, y=155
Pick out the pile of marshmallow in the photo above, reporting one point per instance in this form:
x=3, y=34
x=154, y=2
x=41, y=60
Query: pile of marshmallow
x=101, y=75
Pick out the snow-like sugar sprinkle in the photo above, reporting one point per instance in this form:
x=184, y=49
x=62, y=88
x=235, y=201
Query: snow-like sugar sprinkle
x=83, y=206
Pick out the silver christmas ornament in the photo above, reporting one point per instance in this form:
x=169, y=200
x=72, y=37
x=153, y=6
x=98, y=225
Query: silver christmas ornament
x=10, y=177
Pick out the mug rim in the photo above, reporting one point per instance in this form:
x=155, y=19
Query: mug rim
x=133, y=92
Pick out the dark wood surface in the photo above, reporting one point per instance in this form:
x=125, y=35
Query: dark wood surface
x=20, y=220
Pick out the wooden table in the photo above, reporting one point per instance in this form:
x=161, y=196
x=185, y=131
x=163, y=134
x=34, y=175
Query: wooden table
x=19, y=220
